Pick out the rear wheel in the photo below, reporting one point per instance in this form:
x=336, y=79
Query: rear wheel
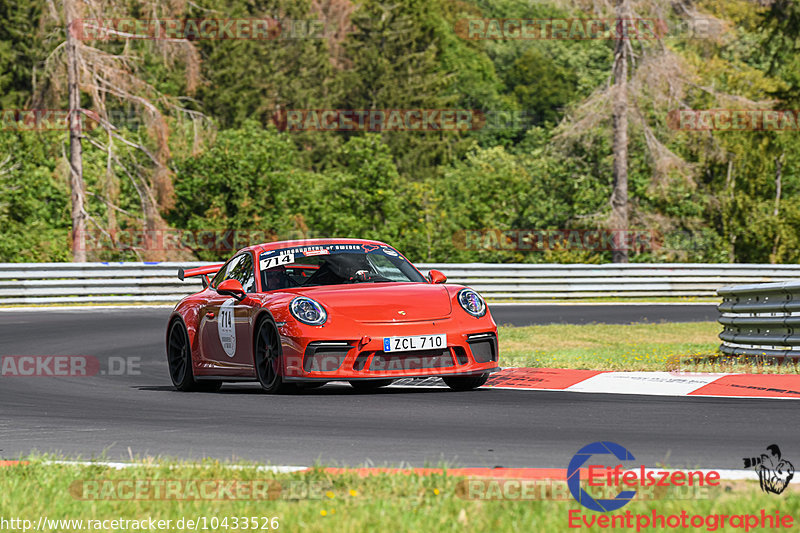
x=179, y=359
x=268, y=357
x=465, y=383
x=370, y=384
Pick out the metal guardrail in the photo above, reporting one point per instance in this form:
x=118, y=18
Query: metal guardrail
x=544, y=281
x=63, y=283
x=761, y=320
x=58, y=283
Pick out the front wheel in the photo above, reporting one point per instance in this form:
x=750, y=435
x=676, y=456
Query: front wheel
x=179, y=359
x=268, y=357
x=465, y=383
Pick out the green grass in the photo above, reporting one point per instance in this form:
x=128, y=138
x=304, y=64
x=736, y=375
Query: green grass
x=345, y=502
x=630, y=347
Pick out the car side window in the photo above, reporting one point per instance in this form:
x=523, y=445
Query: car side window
x=384, y=267
x=242, y=271
x=222, y=273
x=239, y=268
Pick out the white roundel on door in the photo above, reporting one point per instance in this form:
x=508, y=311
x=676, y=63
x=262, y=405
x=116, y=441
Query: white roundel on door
x=227, y=328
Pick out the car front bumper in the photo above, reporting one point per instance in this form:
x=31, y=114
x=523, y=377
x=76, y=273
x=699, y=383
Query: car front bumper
x=328, y=356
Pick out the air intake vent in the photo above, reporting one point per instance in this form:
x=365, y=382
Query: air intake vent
x=483, y=347
x=325, y=356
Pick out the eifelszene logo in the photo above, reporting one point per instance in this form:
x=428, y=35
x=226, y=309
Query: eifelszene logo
x=638, y=477
x=774, y=472
x=574, y=476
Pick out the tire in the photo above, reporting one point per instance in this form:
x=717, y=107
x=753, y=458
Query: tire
x=370, y=384
x=268, y=357
x=465, y=383
x=179, y=360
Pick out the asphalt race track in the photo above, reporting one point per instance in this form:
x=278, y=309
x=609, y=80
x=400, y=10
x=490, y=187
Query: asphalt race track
x=139, y=411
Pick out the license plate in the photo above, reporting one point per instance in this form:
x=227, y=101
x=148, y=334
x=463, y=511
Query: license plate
x=415, y=342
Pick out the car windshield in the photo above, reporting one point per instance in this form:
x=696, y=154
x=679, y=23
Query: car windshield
x=334, y=264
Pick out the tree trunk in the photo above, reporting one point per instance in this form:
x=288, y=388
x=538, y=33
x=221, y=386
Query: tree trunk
x=75, y=150
x=619, y=196
x=727, y=214
x=773, y=258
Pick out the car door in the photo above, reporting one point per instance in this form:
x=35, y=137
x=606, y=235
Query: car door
x=226, y=324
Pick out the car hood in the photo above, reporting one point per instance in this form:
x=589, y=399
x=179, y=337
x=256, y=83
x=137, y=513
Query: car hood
x=384, y=302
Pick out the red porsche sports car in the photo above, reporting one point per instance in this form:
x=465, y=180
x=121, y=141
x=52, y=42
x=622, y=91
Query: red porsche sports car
x=303, y=313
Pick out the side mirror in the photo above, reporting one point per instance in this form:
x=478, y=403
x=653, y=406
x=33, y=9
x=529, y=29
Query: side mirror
x=436, y=277
x=232, y=287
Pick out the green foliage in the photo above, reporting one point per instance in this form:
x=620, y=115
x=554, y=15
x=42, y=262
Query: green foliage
x=357, y=196
x=250, y=79
x=422, y=191
x=34, y=208
x=781, y=24
x=20, y=49
x=249, y=181
x=240, y=183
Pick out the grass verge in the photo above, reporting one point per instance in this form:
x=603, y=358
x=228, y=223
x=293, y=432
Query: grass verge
x=687, y=346
x=340, y=502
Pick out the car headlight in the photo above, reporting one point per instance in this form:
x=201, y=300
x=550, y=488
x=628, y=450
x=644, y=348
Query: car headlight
x=472, y=302
x=308, y=311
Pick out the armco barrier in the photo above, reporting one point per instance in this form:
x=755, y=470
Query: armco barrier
x=48, y=283
x=62, y=283
x=761, y=320
x=543, y=281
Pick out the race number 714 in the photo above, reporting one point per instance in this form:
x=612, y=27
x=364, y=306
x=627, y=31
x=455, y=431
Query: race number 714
x=283, y=259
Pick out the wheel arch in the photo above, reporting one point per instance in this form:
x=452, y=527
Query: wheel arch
x=180, y=315
x=260, y=315
x=175, y=316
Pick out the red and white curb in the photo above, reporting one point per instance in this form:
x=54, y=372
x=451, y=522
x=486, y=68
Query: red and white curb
x=470, y=472
x=786, y=386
